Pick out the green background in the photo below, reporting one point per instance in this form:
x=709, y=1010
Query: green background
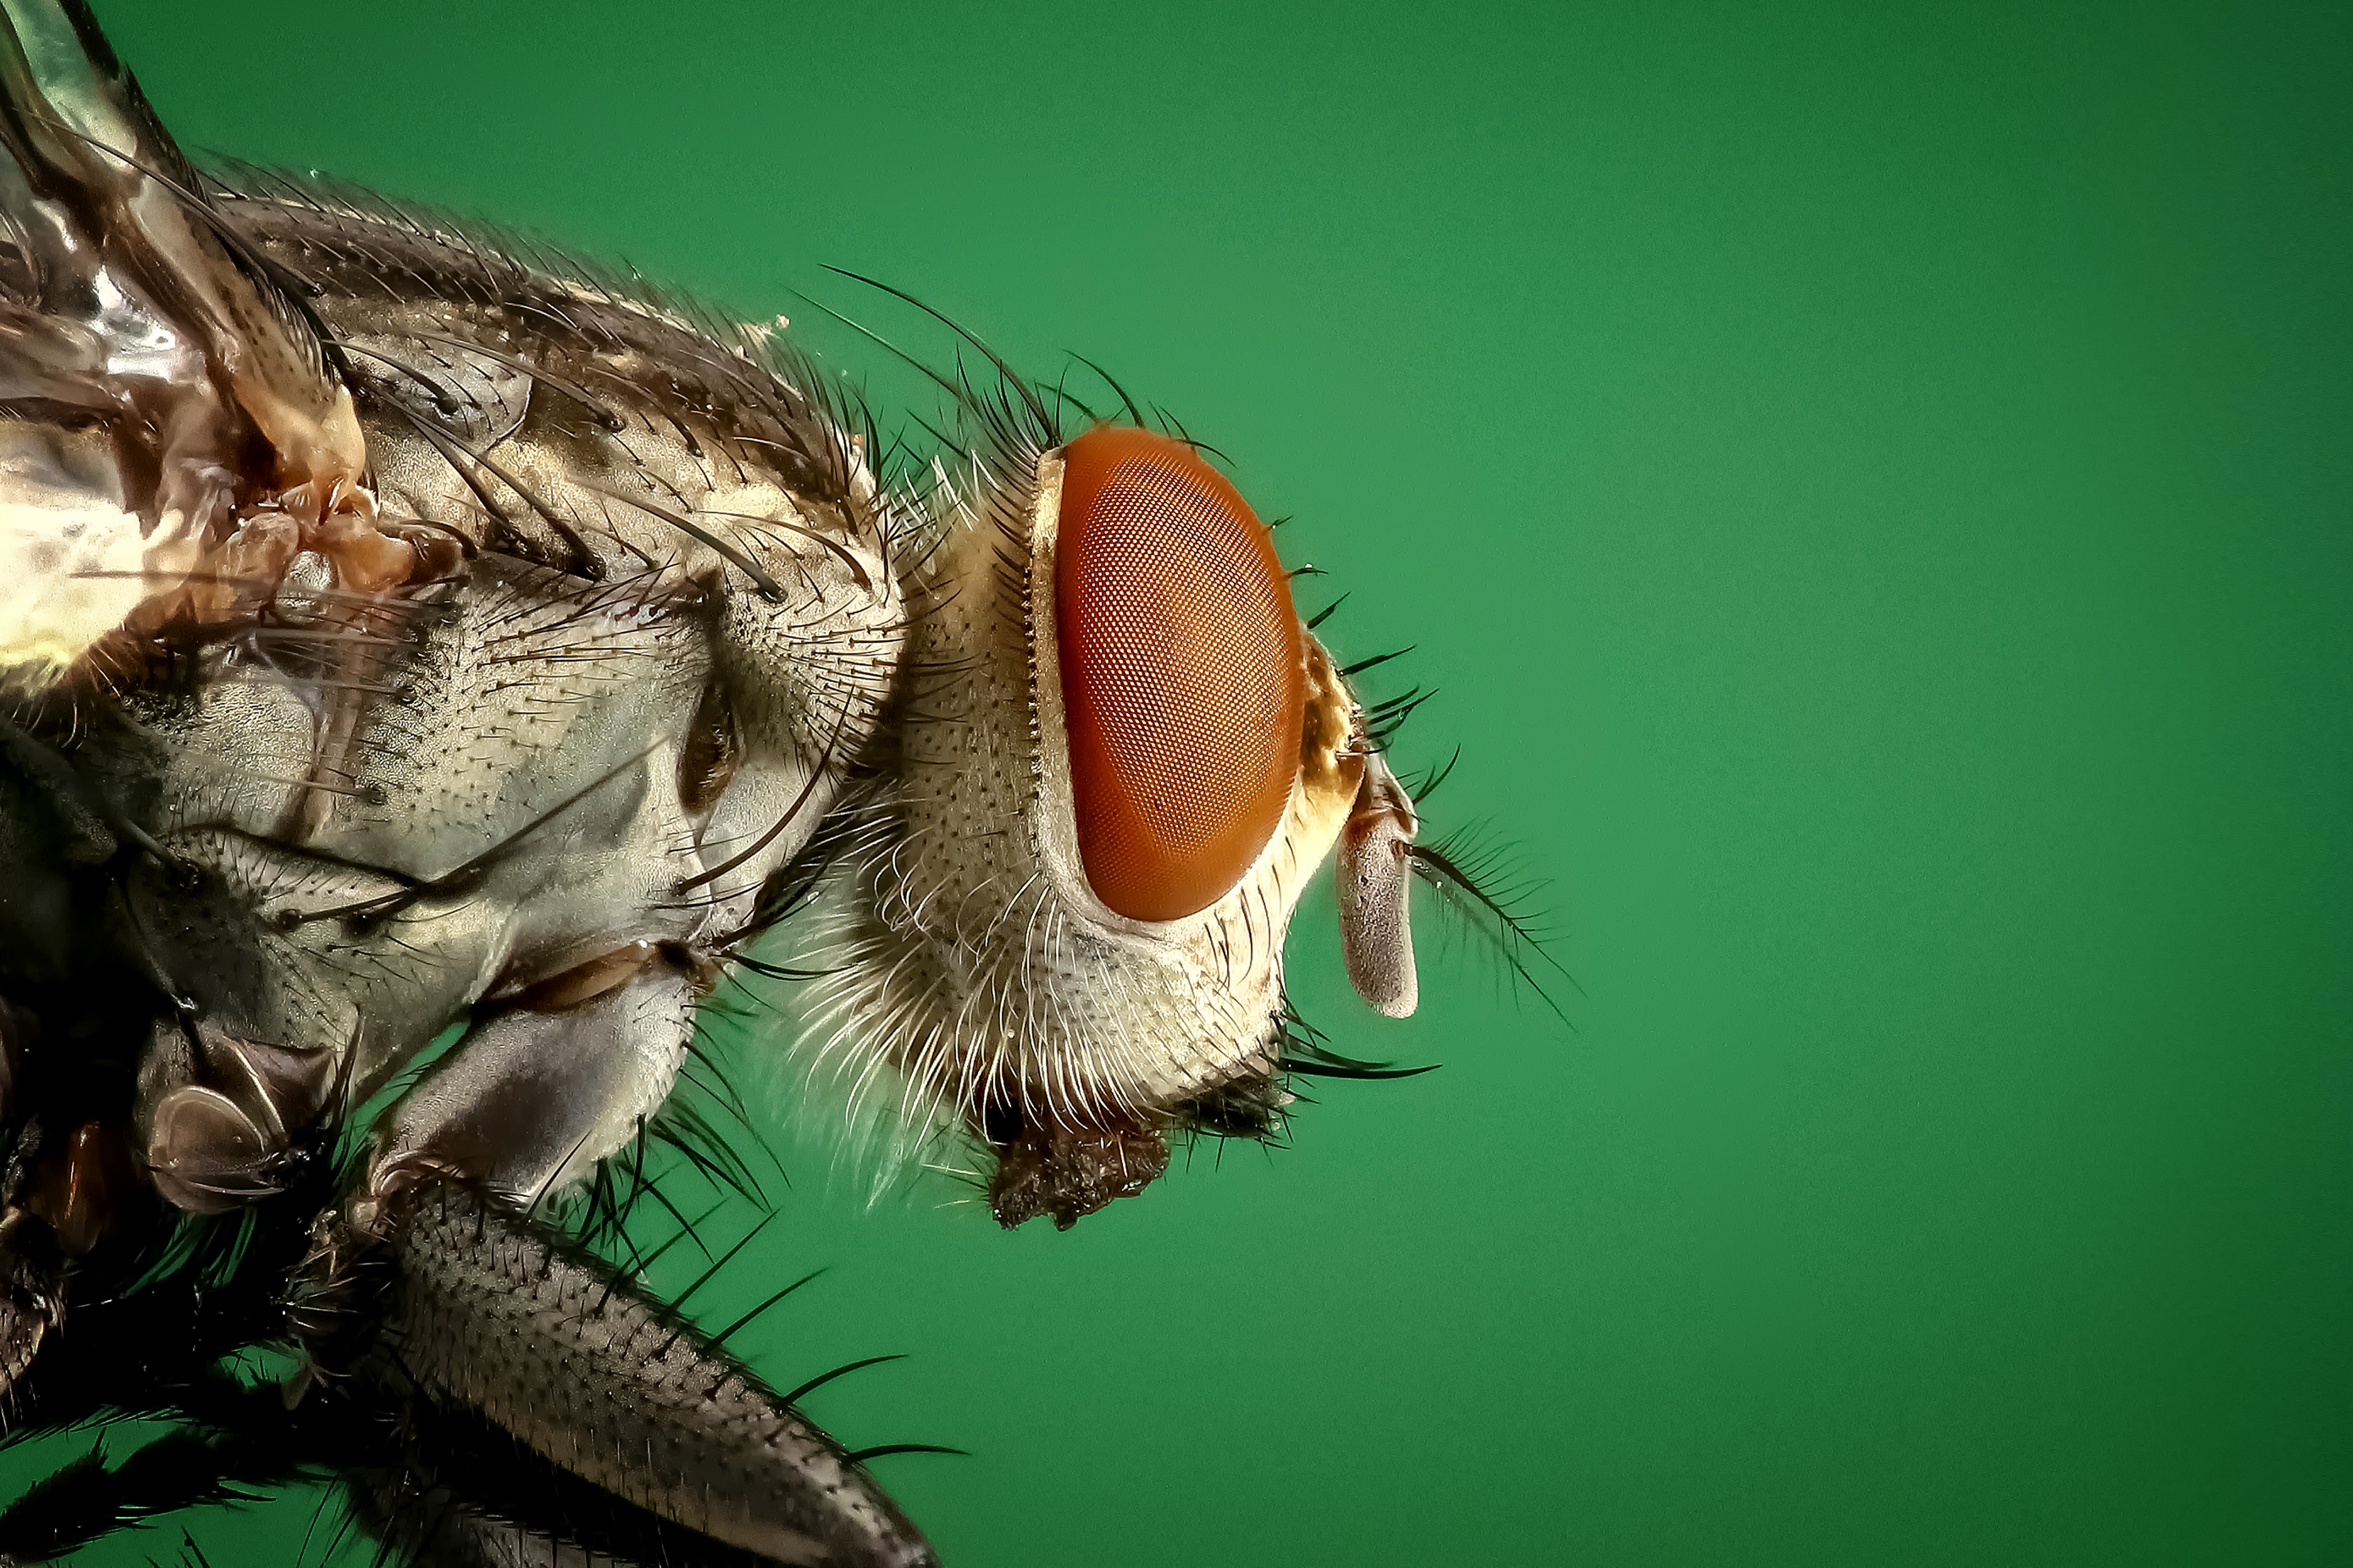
x=1872, y=489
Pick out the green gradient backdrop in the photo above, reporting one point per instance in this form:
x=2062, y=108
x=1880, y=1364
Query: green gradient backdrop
x=1874, y=490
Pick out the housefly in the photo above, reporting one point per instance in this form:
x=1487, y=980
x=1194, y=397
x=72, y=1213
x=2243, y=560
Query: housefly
x=407, y=631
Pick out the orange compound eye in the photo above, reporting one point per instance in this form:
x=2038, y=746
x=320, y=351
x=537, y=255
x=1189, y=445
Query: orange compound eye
x=1183, y=685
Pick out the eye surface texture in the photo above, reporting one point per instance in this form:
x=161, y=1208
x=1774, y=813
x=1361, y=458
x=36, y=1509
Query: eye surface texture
x=1183, y=685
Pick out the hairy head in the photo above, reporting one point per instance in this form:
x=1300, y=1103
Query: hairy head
x=1120, y=757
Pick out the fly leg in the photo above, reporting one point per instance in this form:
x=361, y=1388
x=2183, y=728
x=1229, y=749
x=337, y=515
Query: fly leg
x=535, y=1095
x=487, y=1321
x=68, y=1180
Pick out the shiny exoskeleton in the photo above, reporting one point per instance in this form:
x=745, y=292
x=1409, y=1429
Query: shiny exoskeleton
x=400, y=632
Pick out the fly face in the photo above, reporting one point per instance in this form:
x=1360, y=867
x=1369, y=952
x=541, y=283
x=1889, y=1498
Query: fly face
x=1122, y=758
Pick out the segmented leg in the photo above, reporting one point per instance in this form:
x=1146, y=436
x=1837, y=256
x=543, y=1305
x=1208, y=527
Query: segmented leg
x=534, y=1097
x=488, y=1313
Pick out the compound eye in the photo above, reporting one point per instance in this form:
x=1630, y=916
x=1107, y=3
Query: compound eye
x=1183, y=683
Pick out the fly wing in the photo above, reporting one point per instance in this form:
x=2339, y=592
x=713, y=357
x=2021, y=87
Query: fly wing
x=161, y=384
